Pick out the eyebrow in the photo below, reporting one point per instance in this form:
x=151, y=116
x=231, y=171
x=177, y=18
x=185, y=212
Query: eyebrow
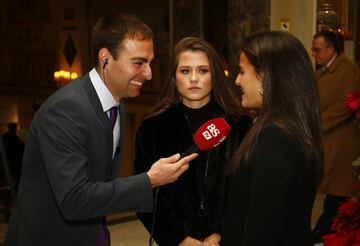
x=139, y=59
x=201, y=66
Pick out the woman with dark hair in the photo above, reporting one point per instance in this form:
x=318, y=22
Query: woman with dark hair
x=276, y=169
x=188, y=212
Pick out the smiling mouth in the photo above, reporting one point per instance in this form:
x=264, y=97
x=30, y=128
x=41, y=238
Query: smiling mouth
x=136, y=83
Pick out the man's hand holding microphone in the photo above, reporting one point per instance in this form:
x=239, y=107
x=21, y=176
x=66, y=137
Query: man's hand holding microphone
x=167, y=170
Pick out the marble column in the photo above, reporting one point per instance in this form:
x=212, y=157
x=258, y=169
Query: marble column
x=245, y=17
x=188, y=19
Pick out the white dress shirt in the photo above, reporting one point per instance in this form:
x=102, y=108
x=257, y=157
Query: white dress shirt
x=107, y=102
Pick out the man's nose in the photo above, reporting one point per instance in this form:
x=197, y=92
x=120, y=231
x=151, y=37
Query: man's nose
x=147, y=73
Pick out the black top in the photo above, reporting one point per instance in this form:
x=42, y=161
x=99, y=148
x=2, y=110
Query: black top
x=191, y=206
x=271, y=197
x=196, y=117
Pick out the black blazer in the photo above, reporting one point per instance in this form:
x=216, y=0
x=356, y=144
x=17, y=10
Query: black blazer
x=271, y=197
x=69, y=179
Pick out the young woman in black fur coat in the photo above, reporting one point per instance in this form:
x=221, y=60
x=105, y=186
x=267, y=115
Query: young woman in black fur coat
x=189, y=211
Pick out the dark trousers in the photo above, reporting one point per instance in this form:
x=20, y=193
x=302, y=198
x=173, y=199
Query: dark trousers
x=330, y=210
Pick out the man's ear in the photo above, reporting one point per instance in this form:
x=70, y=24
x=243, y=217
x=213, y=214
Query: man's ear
x=103, y=56
x=332, y=49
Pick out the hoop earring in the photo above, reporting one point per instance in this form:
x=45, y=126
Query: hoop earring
x=261, y=90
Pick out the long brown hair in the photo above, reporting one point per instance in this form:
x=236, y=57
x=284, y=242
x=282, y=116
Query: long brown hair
x=222, y=89
x=290, y=94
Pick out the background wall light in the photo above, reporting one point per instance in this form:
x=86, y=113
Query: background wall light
x=63, y=77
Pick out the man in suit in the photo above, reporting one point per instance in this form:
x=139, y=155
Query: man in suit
x=14, y=149
x=71, y=162
x=337, y=76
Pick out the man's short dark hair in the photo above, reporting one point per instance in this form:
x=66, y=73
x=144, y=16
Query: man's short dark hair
x=111, y=30
x=331, y=38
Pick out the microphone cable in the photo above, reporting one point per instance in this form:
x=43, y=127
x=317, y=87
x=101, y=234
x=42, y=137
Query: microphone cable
x=151, y=239
x=13, y=195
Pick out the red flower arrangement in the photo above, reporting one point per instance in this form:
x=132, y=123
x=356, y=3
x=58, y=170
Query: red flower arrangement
x=346, y=225
x=353, y=103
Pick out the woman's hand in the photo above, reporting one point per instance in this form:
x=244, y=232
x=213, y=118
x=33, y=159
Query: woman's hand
x=190, y=241
x=212, y=240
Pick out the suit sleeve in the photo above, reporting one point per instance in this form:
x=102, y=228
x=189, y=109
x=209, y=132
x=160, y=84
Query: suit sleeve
x=273, y=171
x=62, y=138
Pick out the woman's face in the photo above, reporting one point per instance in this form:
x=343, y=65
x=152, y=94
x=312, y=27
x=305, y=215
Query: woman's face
x=193, y=78
x=250, y=84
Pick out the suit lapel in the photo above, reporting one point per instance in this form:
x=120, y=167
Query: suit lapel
x=104, y=119
x=93, y=98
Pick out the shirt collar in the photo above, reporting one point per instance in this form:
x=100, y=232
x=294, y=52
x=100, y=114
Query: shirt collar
x=332, y=60
x=106, y=99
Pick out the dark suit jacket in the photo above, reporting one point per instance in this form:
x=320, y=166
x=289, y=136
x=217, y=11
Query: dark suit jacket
x=69, y=180
x=271, y=197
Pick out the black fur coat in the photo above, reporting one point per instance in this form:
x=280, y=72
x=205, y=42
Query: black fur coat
x=191, y=206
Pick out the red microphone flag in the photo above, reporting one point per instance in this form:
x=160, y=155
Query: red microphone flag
x=211, y=133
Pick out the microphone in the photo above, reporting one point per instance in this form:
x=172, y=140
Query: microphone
x=209, y=135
